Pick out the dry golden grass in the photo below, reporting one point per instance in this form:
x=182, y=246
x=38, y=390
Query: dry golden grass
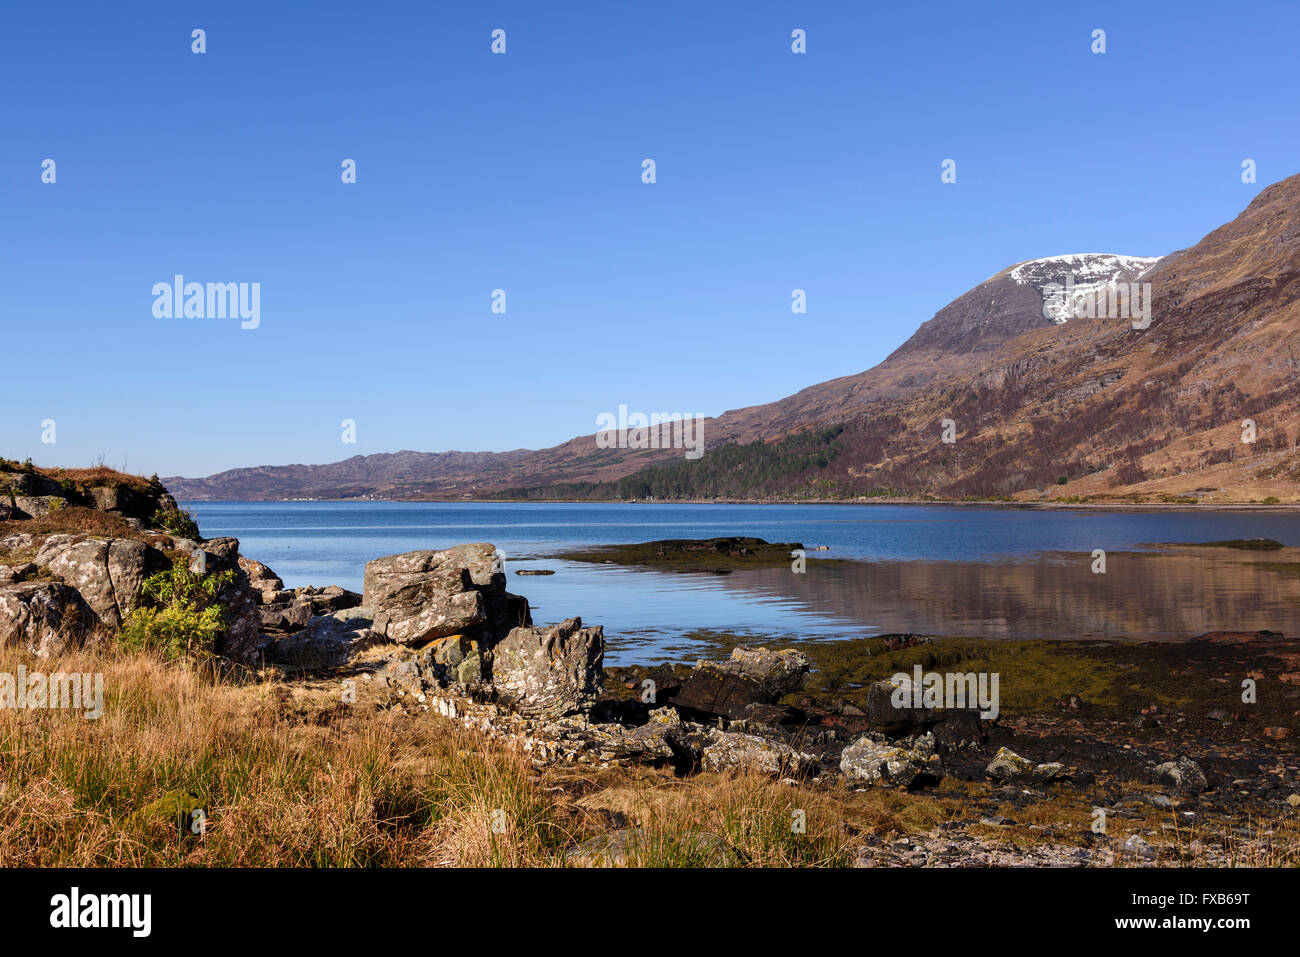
x=370, y=788
x=89, y=477
x=76, y=519
x=285, y=774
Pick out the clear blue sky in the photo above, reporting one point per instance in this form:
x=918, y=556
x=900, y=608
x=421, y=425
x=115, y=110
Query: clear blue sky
x=523, y=172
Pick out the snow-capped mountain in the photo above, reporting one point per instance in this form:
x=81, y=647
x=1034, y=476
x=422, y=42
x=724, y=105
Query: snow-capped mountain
x=1066, y=282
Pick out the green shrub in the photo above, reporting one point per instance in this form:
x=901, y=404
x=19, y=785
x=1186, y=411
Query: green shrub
x=181, y=616
x=177, y=521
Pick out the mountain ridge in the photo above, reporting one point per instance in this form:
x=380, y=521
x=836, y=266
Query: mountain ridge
x=1003, y=366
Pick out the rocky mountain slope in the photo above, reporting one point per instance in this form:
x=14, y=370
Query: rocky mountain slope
x=1046, y=399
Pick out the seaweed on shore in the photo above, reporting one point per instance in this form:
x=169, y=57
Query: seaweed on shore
x=721, y=555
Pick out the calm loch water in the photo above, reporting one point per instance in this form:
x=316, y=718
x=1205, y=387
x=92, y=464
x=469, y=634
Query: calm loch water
x=933, y=569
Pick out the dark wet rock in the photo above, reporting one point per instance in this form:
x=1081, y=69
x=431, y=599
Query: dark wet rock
x=886, y=715
x=1240, y=637
x=954, y=729
x=658, y=742
x=721, y=555
x=750, y=676
x=769, y=717
x=899, y=642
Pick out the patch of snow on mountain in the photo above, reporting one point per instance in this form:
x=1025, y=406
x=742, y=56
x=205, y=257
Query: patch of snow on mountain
x=1090, y=273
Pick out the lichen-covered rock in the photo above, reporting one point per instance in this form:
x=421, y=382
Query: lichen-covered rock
x=242, y=639
x=750, y=676
x=874, y=761
x=1184, y=774
x=34, y=506
x=550, y=671
x=16, y=573
x=1010, y=767
x=109, y=573
x=46, y=618
x=18, y=542
x=1007, y=766
x=733, y=751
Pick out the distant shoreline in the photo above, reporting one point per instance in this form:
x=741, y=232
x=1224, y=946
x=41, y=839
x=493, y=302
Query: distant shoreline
x=1046, y=506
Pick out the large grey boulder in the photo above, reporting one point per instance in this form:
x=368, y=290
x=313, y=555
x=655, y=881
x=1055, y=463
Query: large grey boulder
x=425, y=595
x=109, y=573
x=45, y=618
x=550, y=671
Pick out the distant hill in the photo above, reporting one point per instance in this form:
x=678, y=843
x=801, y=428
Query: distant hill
x=1045, y=402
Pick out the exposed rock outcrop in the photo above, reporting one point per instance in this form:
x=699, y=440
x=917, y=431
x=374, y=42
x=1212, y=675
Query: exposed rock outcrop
x=550, y=671
x=109, y=573
x=45, y=618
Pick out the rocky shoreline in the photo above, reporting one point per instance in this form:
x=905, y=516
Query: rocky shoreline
x=436, y=633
